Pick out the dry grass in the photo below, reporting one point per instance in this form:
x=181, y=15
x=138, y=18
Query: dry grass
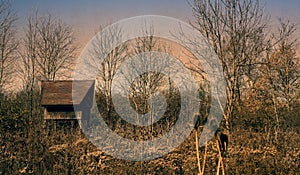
x=248, y=153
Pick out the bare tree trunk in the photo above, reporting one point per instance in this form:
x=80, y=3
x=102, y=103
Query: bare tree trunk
x=234, y=29
x=197, y=152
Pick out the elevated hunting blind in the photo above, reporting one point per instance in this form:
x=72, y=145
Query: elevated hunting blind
x=59, y=98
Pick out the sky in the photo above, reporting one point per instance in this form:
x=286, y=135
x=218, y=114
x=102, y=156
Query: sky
x=87, y=15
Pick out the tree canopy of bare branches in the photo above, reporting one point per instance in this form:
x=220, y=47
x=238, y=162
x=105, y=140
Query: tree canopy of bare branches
x=49, y=49
x=235, y=30
x=109, y=61
x=8, y=43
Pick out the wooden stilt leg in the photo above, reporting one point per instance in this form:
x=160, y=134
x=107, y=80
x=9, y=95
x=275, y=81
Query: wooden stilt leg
x=220, y=161
x=204, y=158
x=197, y=152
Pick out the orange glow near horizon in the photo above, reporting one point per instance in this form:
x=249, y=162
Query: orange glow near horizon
x=87, y=16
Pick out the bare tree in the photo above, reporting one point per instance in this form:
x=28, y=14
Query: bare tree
x=278, y=81
x=8, y=43
x=149, y=82
x=29, y=54
x=235, y=30
x=48, y=49
x=110, y=61
x=28, y=71
x=55, y=47
x=285, y=64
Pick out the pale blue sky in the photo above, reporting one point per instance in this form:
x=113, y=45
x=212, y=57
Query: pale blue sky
x=87, y=15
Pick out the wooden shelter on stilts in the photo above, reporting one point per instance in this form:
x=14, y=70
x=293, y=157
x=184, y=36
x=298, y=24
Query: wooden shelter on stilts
x=60, y=98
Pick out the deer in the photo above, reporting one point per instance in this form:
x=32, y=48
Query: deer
x=222, y=139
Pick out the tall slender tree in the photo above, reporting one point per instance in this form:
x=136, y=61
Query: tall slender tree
x=109, y=62
x=8, y=44
x=49, y=49
x=235, y=29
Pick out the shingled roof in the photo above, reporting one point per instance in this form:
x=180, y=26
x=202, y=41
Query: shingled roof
x=60, y=92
